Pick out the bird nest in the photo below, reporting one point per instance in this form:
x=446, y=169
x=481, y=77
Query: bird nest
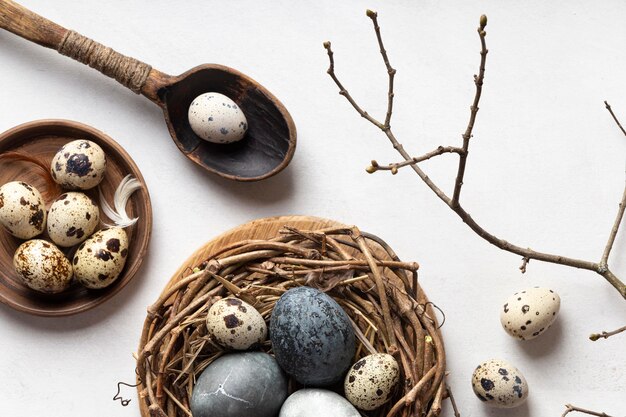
x=381, y=295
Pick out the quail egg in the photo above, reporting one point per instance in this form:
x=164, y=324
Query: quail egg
x=100, y=259
x=527, y=314
x=79, y=164
x=236, y=324
x=22, y=210
x=72, y=218
x=42, y=266
x=499, y=384
x=216, y=118
x=370, y=382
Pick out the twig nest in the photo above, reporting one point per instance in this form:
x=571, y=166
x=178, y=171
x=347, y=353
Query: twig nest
x=312, y=337
x=72, y=218
x=499, y=384
x=240, y=384
x=371, y=381
x=527, y=314
x=315, y=402
x=79, y=165
x=42, y=266
x=236, y=324
x=22, y=210
x=319, y=291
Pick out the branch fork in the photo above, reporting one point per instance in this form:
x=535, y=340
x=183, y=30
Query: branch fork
x=454, y=202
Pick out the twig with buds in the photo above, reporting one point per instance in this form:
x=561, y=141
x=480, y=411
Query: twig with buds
x=454, y=202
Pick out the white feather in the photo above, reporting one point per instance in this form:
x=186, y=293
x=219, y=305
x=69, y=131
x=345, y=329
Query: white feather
x=120, y=218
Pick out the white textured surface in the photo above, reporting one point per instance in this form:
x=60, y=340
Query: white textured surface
x=546, y=170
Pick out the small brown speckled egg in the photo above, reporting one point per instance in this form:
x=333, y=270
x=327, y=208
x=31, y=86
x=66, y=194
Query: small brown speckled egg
x=216, y=118
x=22, y=210
x=236, y=324
x=499, y=384
x=79, y=164
x=101, y=258
x=42, y=266
x=527, y=314
x=72, y=218
x=370, y=382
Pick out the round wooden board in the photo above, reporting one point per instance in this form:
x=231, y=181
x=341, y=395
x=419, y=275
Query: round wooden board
x=42, y=138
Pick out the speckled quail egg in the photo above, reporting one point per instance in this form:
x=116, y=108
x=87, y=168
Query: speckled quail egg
x=79, y=164
x=499, y=384
x=371, y=380
x=100, y=259
x=72, y=218
x=236, y=324
x=216, y=118
x=22, y=210
x=42, y=266
x=527, y=314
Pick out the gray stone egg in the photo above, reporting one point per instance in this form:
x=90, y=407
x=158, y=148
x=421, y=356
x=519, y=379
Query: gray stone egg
x=312, y=337
x=315, y=402
x=239, y=385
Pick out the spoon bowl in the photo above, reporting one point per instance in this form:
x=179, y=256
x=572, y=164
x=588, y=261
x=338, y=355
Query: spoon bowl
x=269, y=143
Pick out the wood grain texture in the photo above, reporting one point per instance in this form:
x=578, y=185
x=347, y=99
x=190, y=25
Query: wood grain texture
x=23, y=22
x=42, y=139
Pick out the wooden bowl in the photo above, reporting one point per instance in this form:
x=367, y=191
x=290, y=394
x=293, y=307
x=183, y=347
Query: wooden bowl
x=42, y=138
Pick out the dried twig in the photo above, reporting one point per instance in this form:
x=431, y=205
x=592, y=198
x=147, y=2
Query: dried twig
x=454, y=202
x=570, y=408
x=606, y=335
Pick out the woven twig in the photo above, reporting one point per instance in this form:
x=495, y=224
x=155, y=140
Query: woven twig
x=380, y=294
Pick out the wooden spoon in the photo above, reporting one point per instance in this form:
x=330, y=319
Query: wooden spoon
x=271, y=137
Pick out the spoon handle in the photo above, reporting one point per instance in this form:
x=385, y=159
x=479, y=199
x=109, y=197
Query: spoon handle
x=133, y=74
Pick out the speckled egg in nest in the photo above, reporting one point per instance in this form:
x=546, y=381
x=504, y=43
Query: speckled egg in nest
x=385, y=310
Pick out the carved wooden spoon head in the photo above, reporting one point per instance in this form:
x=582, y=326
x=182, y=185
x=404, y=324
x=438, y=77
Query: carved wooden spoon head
x=269, y=143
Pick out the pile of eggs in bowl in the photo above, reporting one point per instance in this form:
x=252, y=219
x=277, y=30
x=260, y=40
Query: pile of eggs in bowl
x=71, y=223
x=313, y=344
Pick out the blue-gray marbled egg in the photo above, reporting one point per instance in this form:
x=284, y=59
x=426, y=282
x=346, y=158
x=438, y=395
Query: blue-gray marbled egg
x=315, y=402
x=312, y=337
x=240, y=385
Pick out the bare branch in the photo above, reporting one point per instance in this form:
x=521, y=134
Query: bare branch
x=620, y=212
x=606, y=335
x=570, y=408
x=478, y=81
x=608, y=107
x=415, y=160
x=526, y=253
x=344, y=92
x=392, y=72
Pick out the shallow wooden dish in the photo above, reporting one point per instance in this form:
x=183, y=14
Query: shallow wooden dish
x=43, y=138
